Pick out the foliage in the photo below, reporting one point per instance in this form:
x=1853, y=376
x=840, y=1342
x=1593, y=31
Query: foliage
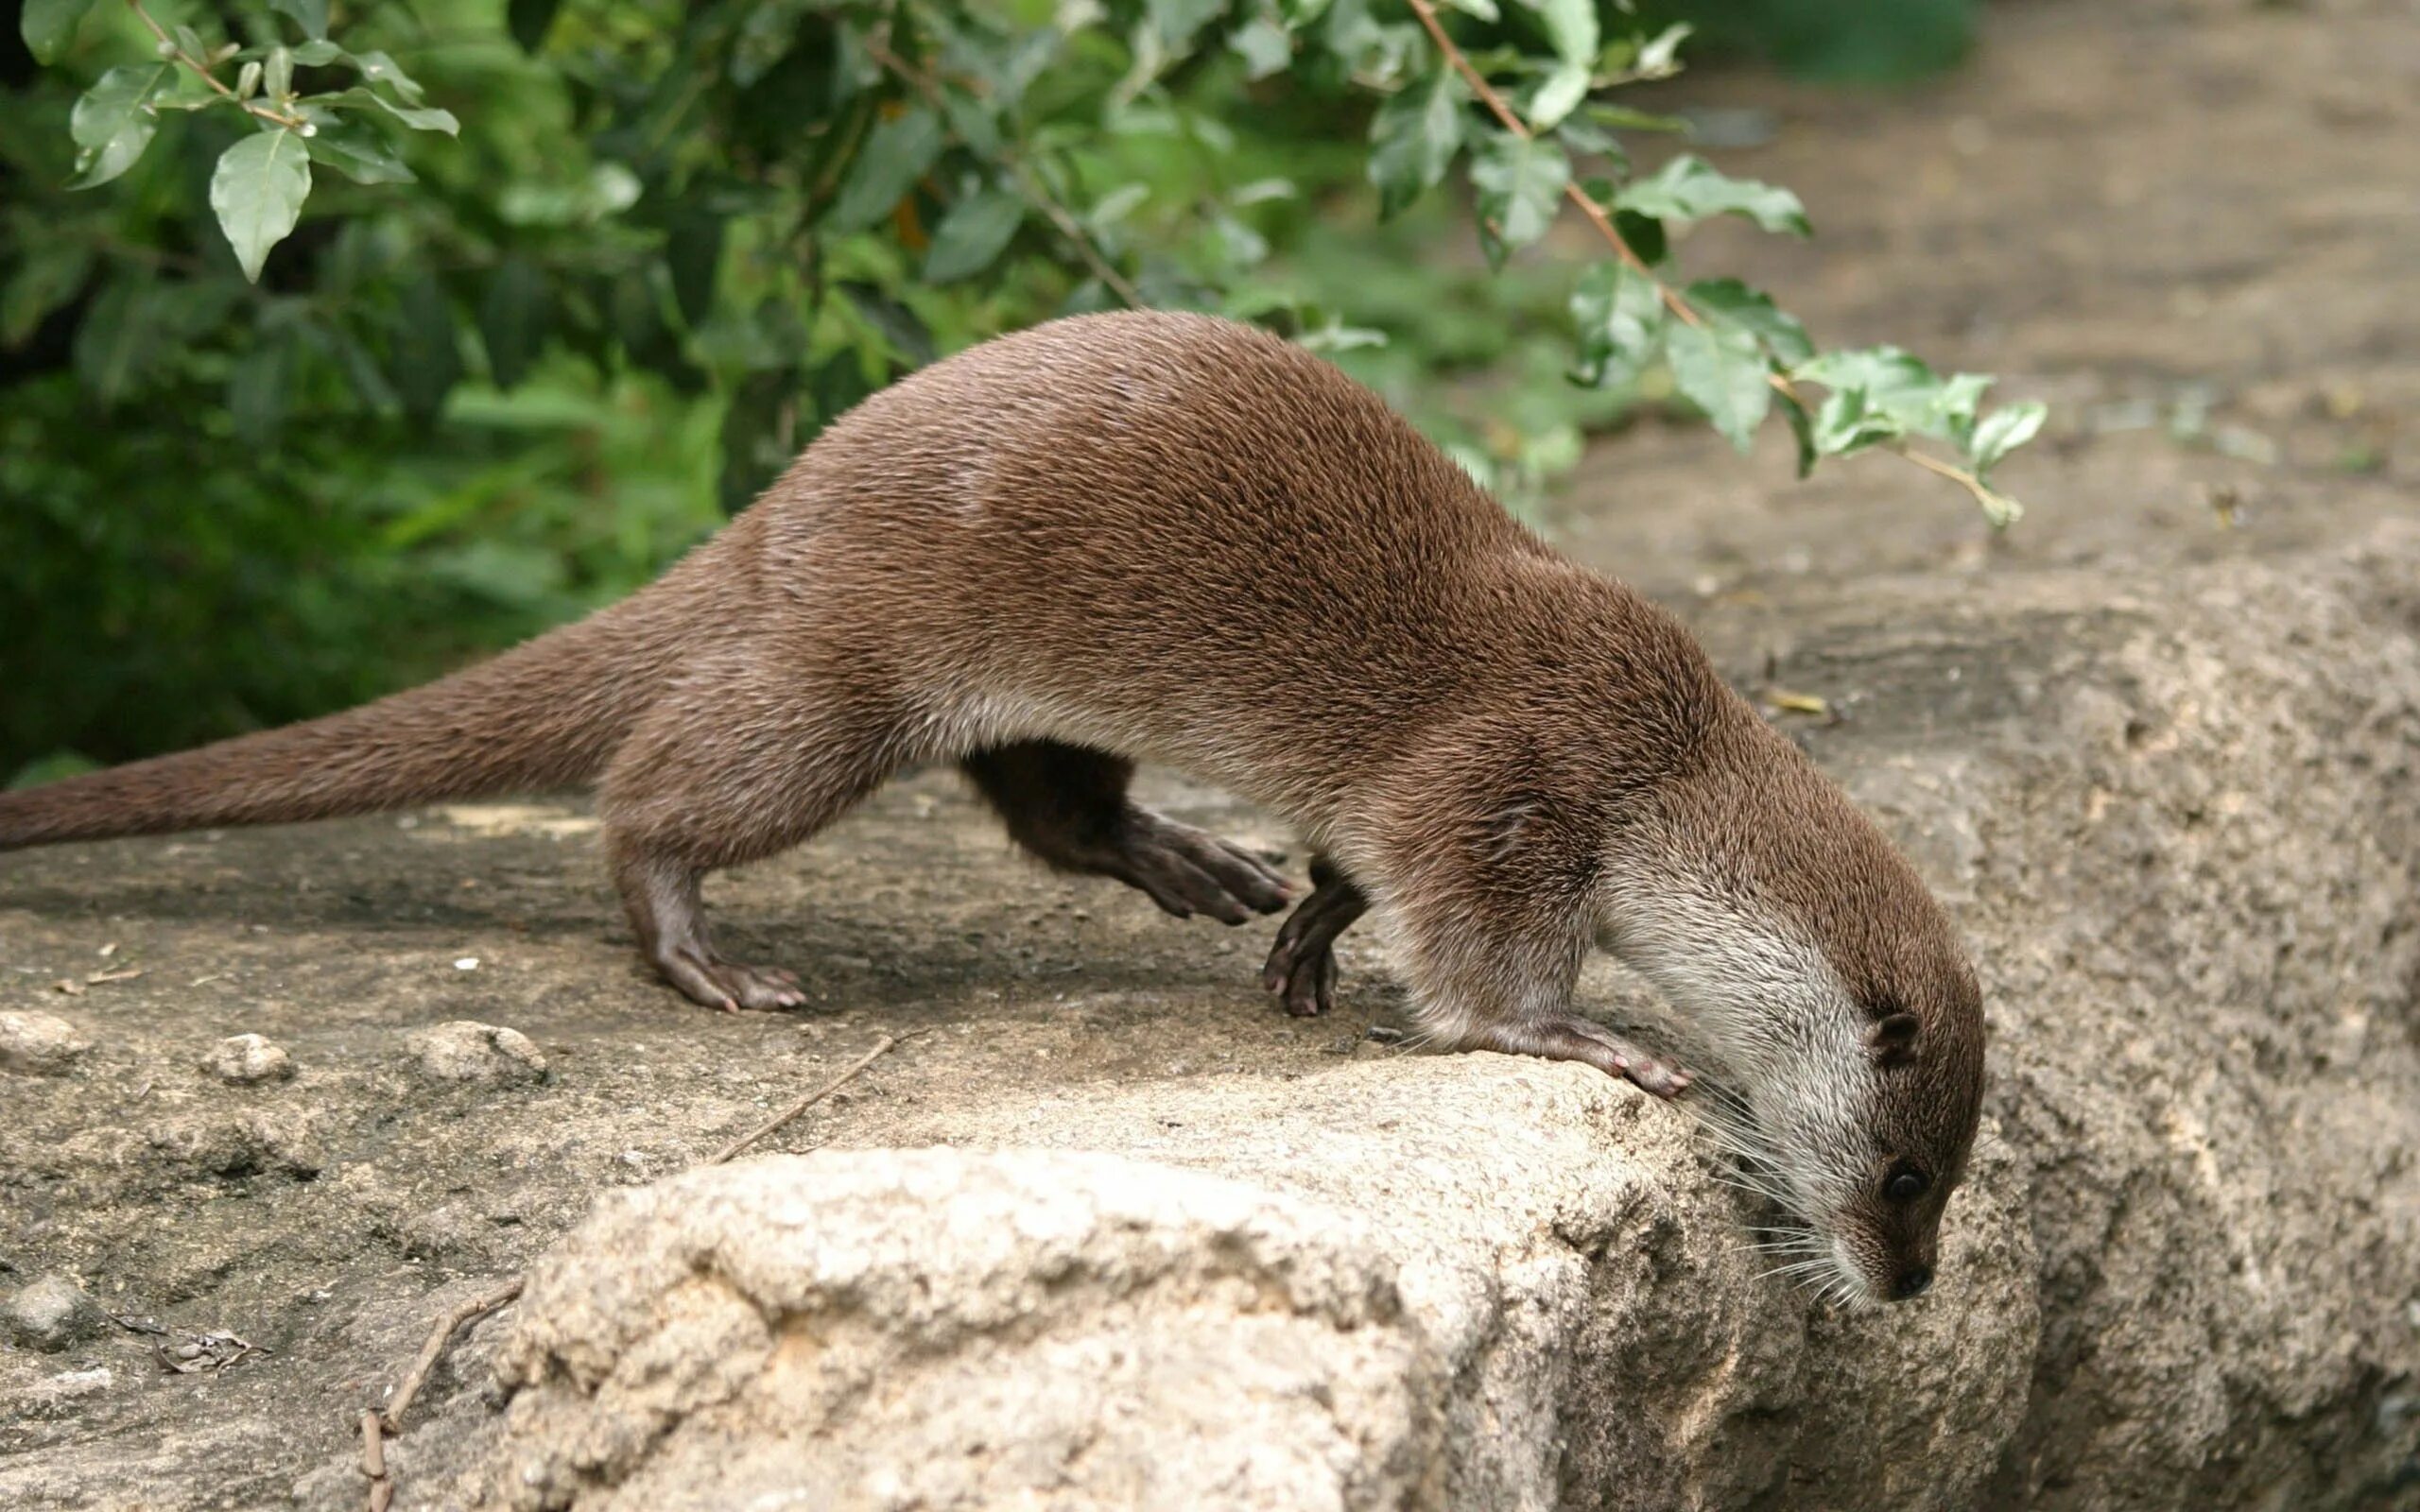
x=343, y=287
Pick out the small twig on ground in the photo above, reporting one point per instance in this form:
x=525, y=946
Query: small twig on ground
x=477, y=1307
x=373, y=1462
x=884, y=1047
x=376, y=1424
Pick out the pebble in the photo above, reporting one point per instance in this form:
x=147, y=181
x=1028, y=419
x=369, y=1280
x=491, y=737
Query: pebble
x=38, y=1045
x=247, y=1058
x=51, y=1314
x=464, y=1051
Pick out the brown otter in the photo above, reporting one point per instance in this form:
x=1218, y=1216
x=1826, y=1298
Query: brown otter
x=1168, y=538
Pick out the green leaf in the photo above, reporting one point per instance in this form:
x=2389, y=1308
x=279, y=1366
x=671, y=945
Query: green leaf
x=1571, y=29
x=1558, y=96
x=1728, y=302
x=257, y=192
x=117, y=339
x=1265, y=45
x=1846, y=422
x=898, y=325
x=51, y=273
x=1881, y=392
x=529, y=20
x=1177, y=21
x=1586, y=138
x=1414, y=136
x=112, y=122
x=1802, y=430
x=693, y=255
x=311, y=15
x=1483, y=10
x=360, y=368
x=1659, y=55
x=2004, y=431
x=754, y=447
x=1689, y=188
x=1643, y=235
x=430, y=119
x=378, y=68
x=513, y=316
x=896, y=153
x=426, y=360
x=1116, y=205
x=278, y=76
x=357, y=151
x=259, y=386
x=975, y=233
x=1620, y=321
x=1520, y=182
x=49, y=25
x=1623, y=118
x=1723, y=369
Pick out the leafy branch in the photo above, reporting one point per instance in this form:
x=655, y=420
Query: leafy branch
x=1876, y=397
x=1028, y=183
x=247, y=81
x=948, y=171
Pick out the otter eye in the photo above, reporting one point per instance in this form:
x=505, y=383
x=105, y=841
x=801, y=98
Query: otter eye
x=1906, y=1184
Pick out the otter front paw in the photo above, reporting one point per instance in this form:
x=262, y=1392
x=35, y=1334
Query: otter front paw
x=1569, y=1036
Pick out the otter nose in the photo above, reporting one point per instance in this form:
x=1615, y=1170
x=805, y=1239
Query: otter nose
x=1910, y=1282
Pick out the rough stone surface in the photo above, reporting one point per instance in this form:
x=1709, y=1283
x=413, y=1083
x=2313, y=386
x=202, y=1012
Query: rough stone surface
x=246, y=1060
x=51, y=1314
x=2169, y=824
x=40, y=1044
x=466, y=1052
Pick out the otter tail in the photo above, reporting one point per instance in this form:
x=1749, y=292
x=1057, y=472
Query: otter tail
x=546, y=715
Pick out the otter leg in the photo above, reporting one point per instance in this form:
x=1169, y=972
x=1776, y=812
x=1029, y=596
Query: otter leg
x=1302, y=964
x=735, y=763
x=1493, y=968
x=1067, y=805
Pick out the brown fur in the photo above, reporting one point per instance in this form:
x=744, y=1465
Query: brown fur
x=1171, y=538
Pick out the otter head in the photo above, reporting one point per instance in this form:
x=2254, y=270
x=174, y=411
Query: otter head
x=1831, y=989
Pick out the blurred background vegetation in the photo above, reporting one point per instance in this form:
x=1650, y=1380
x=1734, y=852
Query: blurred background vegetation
x=597, y=322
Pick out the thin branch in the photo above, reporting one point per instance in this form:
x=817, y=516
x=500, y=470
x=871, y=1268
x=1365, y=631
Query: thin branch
x=376, y=1424
x=202, y=71
x=1028, y=182
x=736, y=1147
x=477, y=1307
x=1993, y=504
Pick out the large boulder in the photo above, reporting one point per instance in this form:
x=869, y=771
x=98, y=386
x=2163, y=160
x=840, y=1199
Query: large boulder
x=2178, y=822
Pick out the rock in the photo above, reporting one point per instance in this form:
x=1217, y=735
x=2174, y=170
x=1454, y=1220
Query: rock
x=2178, y=833
x=38, y=1045
x=60, y=1396
x=1488, y=1273
x=247, y=1058
x=51, y=1314
x=463, y=1051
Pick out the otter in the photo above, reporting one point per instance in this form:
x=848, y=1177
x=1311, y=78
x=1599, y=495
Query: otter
x=1168, y=538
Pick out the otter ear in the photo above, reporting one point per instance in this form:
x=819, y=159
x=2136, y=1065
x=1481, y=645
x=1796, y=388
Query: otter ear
x=1893, y=1039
